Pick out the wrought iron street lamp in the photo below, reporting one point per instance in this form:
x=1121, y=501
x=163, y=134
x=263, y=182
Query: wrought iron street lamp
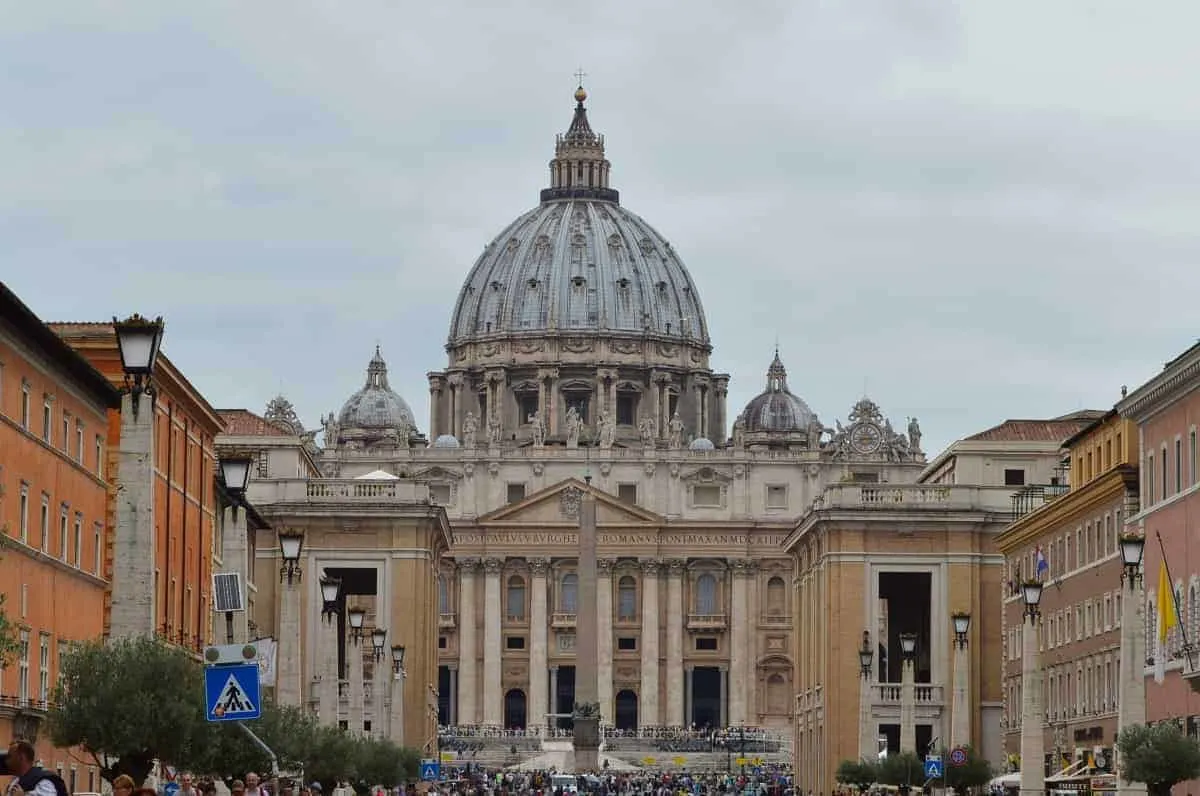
x=291, y=543
x=356, y=617
x=1031, y=593
x=138, y=341
x=908, y=645
x=331, y=589
x=378, y=640
x=962, y=624
x=235, y=472
x=866, y=656
x=1133, y=547
x=397, y=659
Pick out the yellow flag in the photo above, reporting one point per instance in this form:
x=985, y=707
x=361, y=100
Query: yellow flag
x=1165, y=604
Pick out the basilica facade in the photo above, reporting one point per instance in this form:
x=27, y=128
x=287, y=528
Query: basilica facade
x=579, y=360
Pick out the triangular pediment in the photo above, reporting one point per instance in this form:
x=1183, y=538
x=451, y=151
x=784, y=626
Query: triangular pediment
x=558, y=504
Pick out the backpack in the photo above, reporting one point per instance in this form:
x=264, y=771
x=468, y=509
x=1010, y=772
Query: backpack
x=36, y=775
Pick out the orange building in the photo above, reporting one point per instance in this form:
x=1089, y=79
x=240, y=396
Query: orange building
x=185, y=500
x=54, y=487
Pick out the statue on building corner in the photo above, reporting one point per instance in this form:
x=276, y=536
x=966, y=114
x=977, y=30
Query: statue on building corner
x=914, y=435
x=608, y=430
x=537, y=427
x=646, y=431
x=470, y=427
x=495, y=430
x=574, y=427
x=675, y=427
x=330, y=425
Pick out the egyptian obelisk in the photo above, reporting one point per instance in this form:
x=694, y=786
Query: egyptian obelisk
x=587, y=690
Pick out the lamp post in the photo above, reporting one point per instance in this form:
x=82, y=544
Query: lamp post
x=235, y=473
x=908, y=708
x=396, y=718
x=133, y=608
x=867, y=732
x=1033, y=769
x=327, y=650
x=356, y=617
x=291, y=544
x=379, y=686
x=378, y=643
x=235, y=542
x=1131, y=696
x=331, y=589
x=960, y=727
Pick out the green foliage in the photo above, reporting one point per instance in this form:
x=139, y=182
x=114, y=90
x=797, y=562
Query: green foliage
x=10, y=640
x=902, y=769
x=973, y=773
x=1158, y=755
x=862, y=774
x=140, y=700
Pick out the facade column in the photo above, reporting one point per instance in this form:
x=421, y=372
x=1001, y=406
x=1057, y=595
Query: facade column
x=435, y=406
x=655, y=402
x=867, y=731
x=382, y=724
x=396, y=706
x=235, y=553
x=354, y=673
x=538, y=690
x=724, y=696
x=493, y=708
x=908, y=710
x=1033, y=766
x=553, y=696
x=134, y=611
x=674, y=673
x=648, y=693
x=960, y=709
x=288, y=674
x=604, y=637
x=327, y=670
x=739, y=642
x=456, y=409
x=468, y=648
x=688, y=674
x=1131, y=694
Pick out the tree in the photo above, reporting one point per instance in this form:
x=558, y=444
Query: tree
x=862, y=774
x=1158, y=755
x=135, y=700
x=973, y=773
x=10, y=641
x=904, y=769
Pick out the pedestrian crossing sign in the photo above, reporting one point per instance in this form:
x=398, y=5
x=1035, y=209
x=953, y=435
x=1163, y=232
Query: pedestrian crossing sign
x=232, y=693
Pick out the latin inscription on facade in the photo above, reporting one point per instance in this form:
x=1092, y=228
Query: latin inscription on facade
x=571, y=539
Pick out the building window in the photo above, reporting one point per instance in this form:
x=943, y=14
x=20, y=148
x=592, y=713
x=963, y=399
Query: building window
x=626, y=408
x=98, y=542
x=706, y=496
x=24, y=518
x=706, y=595
x=1149, y=479
x=25, y=388
x=23, y=670
x=99, y=456
x=1014, y=477
x=1192, y=457
x=626, y=643
x=627, y=493
x=527, y=406
x=45, y=522
x=47, y=421
x=627, y=599
x=1178, y=466
x=579, y=401
x=64, y=525
x=441, y=494
x=514, y=642
x=776, y=597
x=443, y=595
x=516, y=493
x=706, y=644
x=79, y=443
x=78, y=539
x=777, y=496
x=568, y=593
x=44, y=667
x=1163, y=494
x=516, y=598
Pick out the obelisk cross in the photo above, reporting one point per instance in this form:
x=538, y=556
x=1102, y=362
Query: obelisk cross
x=580, y=75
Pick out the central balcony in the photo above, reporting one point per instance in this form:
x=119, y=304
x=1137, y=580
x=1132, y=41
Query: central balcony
x=929, y=702
x=447, y=621
x=703, y=622
x=562, y=620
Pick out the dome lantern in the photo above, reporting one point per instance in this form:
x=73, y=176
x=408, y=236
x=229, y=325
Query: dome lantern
x=579, y=169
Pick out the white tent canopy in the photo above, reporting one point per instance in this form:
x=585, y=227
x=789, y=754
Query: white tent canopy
x=378, y=475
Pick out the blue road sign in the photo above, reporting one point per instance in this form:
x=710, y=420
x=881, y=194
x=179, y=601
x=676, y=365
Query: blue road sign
x=933, y=768
x=232, y=693
x=431, y=770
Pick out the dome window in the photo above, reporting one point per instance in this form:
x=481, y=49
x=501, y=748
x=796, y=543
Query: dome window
x=662, y=287
x=496, y=285
x=623, y=283
x=532, y=284
x=578, y=281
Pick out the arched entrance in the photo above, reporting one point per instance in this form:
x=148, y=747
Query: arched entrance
x=626, y=717
x=514, y=709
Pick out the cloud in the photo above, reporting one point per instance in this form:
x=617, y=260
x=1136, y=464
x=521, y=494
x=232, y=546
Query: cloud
x=966, y=210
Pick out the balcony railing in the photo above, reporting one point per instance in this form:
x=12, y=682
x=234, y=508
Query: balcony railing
x=447, y=621
x=337, y=490
x=706, y=621
x=886, y=497
x=562, y=620
x=923, y=693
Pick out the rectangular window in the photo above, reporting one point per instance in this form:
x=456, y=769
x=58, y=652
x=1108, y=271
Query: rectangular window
x=64, y=525
x=1014, y=477
x=24, y=518
x=777, y=497
x=99, y=456
x=78, y=559
x=79, y=443
x=626, y=643
x=45, y=545
x=709, y=496
x=440, y=494
x=514, y=642
x=1178, y=466
x=43, y=667
x=23, y=670
x=1192, y=457
x=706, y=644
x=65, y=442
x=25, y=388
x=98, y=542
x=1150, y=479
x=47, y=422
x=516, y=493
x=627, y=493
x=626, y=408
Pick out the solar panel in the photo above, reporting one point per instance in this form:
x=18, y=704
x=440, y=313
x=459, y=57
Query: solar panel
x=227, y=592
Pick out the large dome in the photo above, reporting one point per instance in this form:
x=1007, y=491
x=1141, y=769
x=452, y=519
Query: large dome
x=579, y=262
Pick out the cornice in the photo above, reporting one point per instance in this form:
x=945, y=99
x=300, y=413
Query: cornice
x=1178, y=378
x=1064, y=510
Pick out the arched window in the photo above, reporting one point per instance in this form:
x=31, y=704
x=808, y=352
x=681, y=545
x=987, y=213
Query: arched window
x=706, y=595
x=776, y=597
x=516, y=597
x=443, y=595
x=627, y=598
x=568, y=594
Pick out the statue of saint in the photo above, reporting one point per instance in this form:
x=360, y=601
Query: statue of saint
x=330, y=425
x=608, y=430
x=470, y=427
x=914, y=435
x=574, y=427
x=675, y=427
x=495, y=430
x=538, y=428
x=646, y=430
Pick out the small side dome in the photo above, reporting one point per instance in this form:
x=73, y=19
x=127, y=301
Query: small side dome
x=375, y=415
x=776, y=410
x=446, y=441
x=701, y=444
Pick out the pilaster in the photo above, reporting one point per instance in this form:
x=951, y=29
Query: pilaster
x=538, y=688
x=648, y=693
x=468, y=645
x=604, y=636
x=493, y=707
x=674, y=674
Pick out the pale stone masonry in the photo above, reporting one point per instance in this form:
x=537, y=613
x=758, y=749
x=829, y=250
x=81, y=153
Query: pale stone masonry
x=134, y=610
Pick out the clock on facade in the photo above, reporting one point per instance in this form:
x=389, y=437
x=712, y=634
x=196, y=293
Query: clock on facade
x=866, y=437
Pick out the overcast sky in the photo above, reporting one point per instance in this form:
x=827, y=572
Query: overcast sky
x=974, y=210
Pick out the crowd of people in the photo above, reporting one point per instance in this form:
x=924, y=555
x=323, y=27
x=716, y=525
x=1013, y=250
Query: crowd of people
x=766, y=781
